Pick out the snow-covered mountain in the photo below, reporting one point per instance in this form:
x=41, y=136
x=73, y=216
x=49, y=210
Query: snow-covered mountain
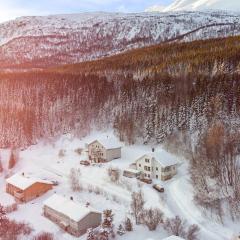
x=199, y=5
x=63, y=39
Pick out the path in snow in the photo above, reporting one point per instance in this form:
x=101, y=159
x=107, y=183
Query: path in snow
x=185, y=208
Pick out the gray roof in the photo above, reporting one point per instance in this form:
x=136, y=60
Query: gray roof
x=108, y=143
x=68, y=207
x=165, y=158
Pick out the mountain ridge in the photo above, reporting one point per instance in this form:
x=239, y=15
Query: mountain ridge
x=39, y=42
x=198, y=5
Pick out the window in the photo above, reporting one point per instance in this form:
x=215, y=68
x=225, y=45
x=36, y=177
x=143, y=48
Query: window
x=146, y=168
x=157, y=176
x=149, y=175
x=167, y=169
x=139, y=165
x=156, y=168
x=147, y=160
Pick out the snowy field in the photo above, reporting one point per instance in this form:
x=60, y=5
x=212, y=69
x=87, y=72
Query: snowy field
x=43, y=160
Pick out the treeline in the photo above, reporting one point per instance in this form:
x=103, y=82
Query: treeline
x=40, y=105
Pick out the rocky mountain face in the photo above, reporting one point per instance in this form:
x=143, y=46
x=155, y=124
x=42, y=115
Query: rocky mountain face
x=37, y=42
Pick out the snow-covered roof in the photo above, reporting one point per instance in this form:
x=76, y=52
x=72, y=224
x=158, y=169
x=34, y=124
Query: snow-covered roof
x=108, y=143
x=132, y=170
x=23, y=181
x=68, y=207
x=173, y=238
x=165, y=158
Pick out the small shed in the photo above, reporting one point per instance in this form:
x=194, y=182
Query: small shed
x=70, y=215
x=26, y=188
x=131, y=173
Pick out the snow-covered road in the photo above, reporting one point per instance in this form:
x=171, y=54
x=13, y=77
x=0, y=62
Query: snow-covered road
x=181, y=204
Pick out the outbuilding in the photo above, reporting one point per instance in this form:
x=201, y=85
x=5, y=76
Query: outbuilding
x=70, y=215
x=25, y=188
x=131, y=173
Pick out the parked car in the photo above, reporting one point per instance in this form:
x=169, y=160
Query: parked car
x=146, y=180
x=85, y=162
x=55, y=183
x=158, y=188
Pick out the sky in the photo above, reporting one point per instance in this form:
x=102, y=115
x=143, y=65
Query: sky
x=10, y=9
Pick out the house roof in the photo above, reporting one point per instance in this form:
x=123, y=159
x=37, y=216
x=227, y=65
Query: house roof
x=173, y=238
x=23, y=182
x=135, y=171
x=68, y=207
x=108, y=143
x=165, y=158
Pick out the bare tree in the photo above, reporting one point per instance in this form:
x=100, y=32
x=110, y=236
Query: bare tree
x=178, y=227
x=74, y=180
x=152, y=217
x=137, y=205
x=192, y=233
x=175, y=226
x=114, y=174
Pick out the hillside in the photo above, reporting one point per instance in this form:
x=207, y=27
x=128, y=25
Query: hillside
x=36, y=42
x=193, y=5
x=142, y=86
x=201, y=56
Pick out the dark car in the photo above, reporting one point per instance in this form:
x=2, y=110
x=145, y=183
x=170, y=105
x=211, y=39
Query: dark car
x=85, y=163
x=158, y=188
x=146, y=180
x=55, y=183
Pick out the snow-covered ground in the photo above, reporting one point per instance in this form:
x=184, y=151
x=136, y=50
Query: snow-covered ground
x=43, y=160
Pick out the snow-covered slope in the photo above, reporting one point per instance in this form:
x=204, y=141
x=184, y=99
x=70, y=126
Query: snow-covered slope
x=63, y=39
x=193, y=5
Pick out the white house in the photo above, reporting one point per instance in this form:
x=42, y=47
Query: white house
x=157, y=165
x=104, y=150
x=70, y=215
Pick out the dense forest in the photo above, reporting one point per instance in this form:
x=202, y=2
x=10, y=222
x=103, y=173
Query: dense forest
x=184, y=94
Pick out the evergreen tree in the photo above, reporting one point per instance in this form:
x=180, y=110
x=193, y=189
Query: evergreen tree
x=90, y=234
x=12, y=160
x=121, y=231
x=128, y=225
x=107, y=228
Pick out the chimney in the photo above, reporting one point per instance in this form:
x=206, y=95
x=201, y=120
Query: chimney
x=153, y=149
